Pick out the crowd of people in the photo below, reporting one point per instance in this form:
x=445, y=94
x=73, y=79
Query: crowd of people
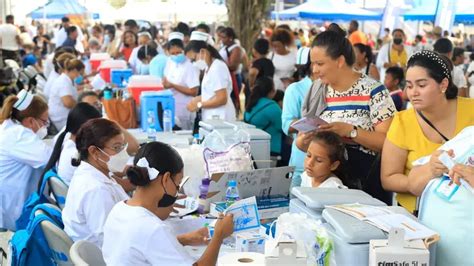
x=385, y=104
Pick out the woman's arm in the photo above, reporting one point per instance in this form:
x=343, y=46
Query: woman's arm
x=419, y=176
x=235, y=59
x=183, y=89
x=68, y=101
x=219, y=99
x=374, y=72
x=253, y=73
x=393, y=166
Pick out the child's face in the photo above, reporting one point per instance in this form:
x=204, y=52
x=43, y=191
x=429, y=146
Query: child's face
x=390, y=83
x=317, y=163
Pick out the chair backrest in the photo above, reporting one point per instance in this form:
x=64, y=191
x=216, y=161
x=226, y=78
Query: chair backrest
x=58, y=241
x=59, y=190
x=85, y=253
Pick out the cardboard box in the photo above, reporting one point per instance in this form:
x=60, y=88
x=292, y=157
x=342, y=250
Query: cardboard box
x=288, y=252
x=397, y=251
x=250, y=242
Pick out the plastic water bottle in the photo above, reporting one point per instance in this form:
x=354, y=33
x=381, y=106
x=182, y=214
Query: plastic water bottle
x=151, y=131
x=167, y=119
x=203, y=190
x=232, y=193
x=195, y=139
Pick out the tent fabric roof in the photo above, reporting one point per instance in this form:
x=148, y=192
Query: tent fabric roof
x=56, y=9
x=427, y=11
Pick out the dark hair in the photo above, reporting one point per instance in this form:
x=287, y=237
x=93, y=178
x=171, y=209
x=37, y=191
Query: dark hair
x=71, y=29
x=365, y=49
x=86, y=94
x=279, y=95
x=336, y=45
x=396, y=72
x=443, y=46
x=386, y=29
x=59, y=60
x=110, y=29
x=36, y=108
x=336, y=151
x=262, y=46
x=284, y=27
x=147, y=50
x=303, y=70
x=196, y=46
x=131, y=23
x=399, y=30
x=229, y=32
x=457, y=51
x=471, y=56
x=336, y=28
x=73, y=64
x=130, y=32
x=219, y=28
x=65, y=19
x=160, y=156
x=355, y=24
x=9, y=18
x=203, y=26
x=263, y=86
x=175, y=42
x=282, y=35
x=436, y=70
x=95, y=132
x=80, y=114
x=183, y=28
x=419, y=37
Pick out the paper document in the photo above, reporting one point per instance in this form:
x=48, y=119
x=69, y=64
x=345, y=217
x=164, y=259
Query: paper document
x=190, y=205
x=307, y=124
x=245, y=214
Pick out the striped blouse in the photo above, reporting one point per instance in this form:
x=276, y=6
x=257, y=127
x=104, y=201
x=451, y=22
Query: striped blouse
x=366, y=104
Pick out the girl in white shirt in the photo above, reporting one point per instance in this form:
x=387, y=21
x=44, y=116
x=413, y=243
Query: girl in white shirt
x=63, y=94
x=135, y=232
x=93, y=192
x=182, y=78
x=324, y=161
x=23, y=153
x=216, y=85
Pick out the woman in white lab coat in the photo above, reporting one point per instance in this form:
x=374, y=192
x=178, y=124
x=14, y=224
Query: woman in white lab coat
x=216, y=84
x=58, y=65
x=182, y=78
x=23, y=153
x=63, y=93
x=93, y=192
x=135, y=232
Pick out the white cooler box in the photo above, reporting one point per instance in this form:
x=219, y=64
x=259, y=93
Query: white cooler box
x=259, y=139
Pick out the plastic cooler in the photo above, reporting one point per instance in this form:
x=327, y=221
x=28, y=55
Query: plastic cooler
x=120, y=77
x=97, y=58
x=107, y=65
x=140, y=83
x=157, y=102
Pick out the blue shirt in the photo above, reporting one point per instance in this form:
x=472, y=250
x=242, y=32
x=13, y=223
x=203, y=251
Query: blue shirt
x=292, y=102
x=157, y=65
x=266, y=115
x=29, y=60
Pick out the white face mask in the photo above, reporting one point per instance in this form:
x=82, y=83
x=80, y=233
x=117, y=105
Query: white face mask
x=42, y=131
x=117, y=162
x=200, y=64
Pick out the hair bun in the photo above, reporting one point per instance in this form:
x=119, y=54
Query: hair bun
x=138, y=176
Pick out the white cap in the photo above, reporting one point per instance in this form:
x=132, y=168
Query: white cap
x=145, y=33
x=302, y=56
x=175, y=36
x=199, y=36
x=24, y=100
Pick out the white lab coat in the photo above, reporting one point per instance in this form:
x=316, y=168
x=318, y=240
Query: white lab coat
x=62, y=86
x=90, y=198
x=382, y=58
x=65, y=168
x=187, y=75
x=217, y=77
x=53, y=75
x=22, y=158
x=135, y=236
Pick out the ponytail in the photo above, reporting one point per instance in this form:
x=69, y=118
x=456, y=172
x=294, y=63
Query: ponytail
x=36, y=108
x=196, y=47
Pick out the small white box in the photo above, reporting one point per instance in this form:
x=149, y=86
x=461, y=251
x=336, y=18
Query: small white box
x=288, y=252
x=250, y=242
x=397, y=251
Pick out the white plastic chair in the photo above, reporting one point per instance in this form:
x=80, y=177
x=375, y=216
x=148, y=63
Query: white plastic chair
x=85, y=253
x=59, y=190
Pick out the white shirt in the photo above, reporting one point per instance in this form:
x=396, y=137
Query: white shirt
x=53, y=75
x=331, y=182
x=382, y=57
x=8, y=34
x=90, y=198
x=285, y=66
x=470, y=70
x=187, y=75
x=135, y=236
x=48, y=65
x=65, y=168
x=217, y=77
x=61, y=36
x=62, y=86
x=22, y=158
x=133, y=60
x=458, y=77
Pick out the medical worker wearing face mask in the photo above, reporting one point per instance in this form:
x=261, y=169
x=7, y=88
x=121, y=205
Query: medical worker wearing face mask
x=216, y=84
x=93, y=192
x=63, y=92
x=182, y=78
x=145, y=54
x=23, y=153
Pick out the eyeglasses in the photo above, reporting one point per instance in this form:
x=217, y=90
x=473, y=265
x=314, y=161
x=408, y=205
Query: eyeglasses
x=118, y=148
x=43, y=122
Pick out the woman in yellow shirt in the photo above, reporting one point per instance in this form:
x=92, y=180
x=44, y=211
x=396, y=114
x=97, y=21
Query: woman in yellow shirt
x=437, y=116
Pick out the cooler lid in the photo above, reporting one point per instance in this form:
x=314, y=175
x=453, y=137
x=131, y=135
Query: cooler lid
x=99, y=56
x=110, y=63
x=151, y=94
x=318, y=198
x=144, y=81
x=254, y=133
x=349, y=229
x=211, y=124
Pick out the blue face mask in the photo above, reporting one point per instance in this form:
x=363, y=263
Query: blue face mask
x=178, y=59
x=79, y=80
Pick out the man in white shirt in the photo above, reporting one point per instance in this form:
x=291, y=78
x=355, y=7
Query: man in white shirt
x=10, y=39
x=61, y=35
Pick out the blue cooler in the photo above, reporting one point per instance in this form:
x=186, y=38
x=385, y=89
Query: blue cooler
x=120, y=77
x=157, y=102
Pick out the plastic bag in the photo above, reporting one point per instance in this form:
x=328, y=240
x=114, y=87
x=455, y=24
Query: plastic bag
x=298, y=226
x=227, y=152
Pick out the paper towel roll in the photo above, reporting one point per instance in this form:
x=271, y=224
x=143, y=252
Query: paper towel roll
x=241, y=259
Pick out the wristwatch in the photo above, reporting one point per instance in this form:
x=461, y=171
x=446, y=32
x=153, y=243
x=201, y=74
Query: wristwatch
x=199, y=105
x=353, y=133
